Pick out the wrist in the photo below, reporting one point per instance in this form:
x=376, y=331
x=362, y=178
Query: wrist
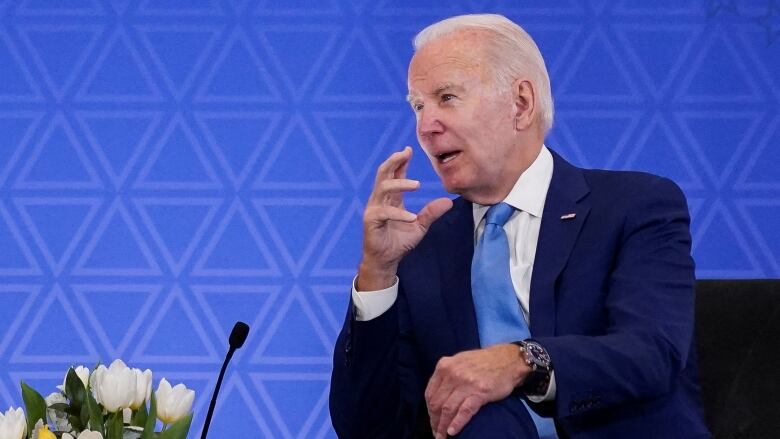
x=537, y=381
x=374, y=277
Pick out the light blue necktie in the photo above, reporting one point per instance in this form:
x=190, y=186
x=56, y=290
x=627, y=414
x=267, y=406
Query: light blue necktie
x=499, y=319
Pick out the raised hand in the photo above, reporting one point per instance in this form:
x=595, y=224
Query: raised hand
x=389, y=230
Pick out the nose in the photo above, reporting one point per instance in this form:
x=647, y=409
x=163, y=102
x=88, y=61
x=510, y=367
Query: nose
x=429, y=122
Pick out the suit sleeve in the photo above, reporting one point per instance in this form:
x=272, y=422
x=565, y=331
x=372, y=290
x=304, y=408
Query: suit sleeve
x=649, y=305
x=375, y=389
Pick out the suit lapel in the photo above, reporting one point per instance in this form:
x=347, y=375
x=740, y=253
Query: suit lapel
x=557, y=235
x=456, y=247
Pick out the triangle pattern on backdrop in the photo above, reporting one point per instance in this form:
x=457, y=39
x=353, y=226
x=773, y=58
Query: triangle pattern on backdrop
x=117, y=248
x=295, y=336
x=226, y=304
x=720, y=248
x=179, y=52
x=237, y=139
x=175, y=7
x=236, y=248
x=294, y=401
x=238, y=74
x=375, y=84
x=60, y=51
x=734, y=128
x=761, y=169
x=118, y=138
x=54, y=334
x=302, y=8
x=658, y=68
x=236, y=401
x=763, y=221
x=16, y=259
x=177, y=161
x=600, y=137
x=717, y=63
x=15, y=304
x=297, y=161
x=57, y=225
x=341, y=253
x=118, y=74
x=17, y=128
x=297, y=225
x=116, y=312
x=615, y=84
x=58, y=161
x=61, y=7
x=658, y=151
x=358, y=139
x=177, y=225
x=17, y=84
x=175, y=334
x=311, y=44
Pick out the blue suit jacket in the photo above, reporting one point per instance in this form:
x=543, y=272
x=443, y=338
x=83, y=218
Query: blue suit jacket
x=612, y=300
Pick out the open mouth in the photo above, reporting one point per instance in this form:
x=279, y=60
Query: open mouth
x=446, y=157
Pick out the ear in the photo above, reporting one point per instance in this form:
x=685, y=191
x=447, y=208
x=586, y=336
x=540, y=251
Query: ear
x=524, y=95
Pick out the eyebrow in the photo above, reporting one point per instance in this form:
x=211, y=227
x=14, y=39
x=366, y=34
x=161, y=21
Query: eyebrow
x=440, y=89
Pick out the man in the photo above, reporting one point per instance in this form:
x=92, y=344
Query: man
x=546, y=301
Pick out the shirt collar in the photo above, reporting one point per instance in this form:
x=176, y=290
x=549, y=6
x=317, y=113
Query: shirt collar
x=530, y=190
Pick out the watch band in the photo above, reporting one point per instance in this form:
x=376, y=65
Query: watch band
x=536, y=357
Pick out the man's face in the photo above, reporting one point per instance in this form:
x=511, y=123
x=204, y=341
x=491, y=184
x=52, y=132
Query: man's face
x=465, y=124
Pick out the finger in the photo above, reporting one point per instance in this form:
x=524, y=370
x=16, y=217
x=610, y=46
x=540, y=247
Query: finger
x=381, y=214
x=432, y=211
x=468, y=408
x=392, y=187
x=449, y=409
x=401, y=171
x=396, y=161
x=430, y=393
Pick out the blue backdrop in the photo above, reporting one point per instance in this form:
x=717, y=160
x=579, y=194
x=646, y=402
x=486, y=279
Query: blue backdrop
x=168, y=167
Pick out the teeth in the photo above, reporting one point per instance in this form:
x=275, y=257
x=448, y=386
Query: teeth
x=449, y=158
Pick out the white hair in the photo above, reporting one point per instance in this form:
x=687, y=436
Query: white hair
x=512, y=52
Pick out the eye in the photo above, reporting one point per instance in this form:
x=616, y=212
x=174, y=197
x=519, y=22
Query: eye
x=447, y=97
x=417, y=107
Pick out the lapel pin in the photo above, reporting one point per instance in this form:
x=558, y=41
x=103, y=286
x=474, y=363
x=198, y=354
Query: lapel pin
x=568, y=216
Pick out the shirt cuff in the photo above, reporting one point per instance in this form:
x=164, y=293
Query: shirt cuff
x=550, y=395
x=372, y=304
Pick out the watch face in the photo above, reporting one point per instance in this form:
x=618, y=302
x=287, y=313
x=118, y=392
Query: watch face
x=537, y=354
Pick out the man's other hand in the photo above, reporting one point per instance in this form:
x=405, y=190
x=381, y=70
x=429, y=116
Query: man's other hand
x=463, y=383
x=389, y=230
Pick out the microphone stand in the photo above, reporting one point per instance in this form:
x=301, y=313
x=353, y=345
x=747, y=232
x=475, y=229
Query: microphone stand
x=237, y=338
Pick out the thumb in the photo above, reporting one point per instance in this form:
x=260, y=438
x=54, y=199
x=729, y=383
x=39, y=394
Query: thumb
x=432, y=211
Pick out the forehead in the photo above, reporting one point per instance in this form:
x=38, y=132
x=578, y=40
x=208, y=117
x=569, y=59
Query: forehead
x=453, y=58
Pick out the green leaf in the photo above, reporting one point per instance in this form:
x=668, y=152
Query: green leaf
x=74, y=389
x=60, y=406
x=83, y=415
x=95, y=414
x=34, y=405
x=179, y=429
x=114, y=426
x=139, y=418
x=75, y=422
x=151, y=419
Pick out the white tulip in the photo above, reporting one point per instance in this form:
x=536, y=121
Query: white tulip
x=83, y=374
x=173, y=403
x=13, y=424
x=85, y=434
x=143, y=388
x=114, y=387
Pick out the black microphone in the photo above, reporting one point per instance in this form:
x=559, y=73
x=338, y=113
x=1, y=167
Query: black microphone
x=237, y=338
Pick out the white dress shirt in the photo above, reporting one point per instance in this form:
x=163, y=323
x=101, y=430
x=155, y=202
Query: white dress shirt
x=527, y=197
